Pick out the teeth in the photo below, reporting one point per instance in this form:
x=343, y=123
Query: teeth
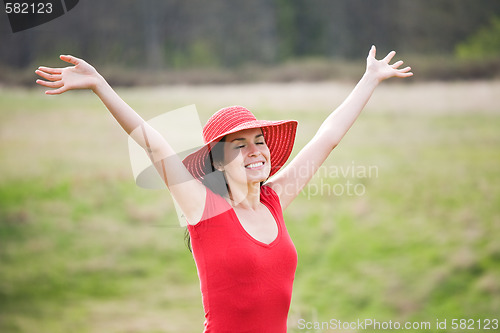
x=254, y=165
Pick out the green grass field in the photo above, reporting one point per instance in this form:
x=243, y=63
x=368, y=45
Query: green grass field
x=83, y=249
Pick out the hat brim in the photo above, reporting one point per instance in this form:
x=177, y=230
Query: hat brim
x=279, y=137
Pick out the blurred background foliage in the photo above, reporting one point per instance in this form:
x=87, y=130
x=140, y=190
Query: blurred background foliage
x=485, y=43
x=195, y=41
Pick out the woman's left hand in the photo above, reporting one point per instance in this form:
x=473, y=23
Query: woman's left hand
x=381, y=69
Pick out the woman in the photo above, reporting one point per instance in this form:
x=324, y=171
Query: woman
x=244, y=256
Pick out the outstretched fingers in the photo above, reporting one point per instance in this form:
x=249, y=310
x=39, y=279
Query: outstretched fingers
x=397, y=64
x=389, y=56
x=373, y=52
x=400, y=72
x=50, y=70
x=58, y=87
x=50, y=84
x=79, y=76
x=54, y=80
x=56, y=91
x=54, y=76
x=404, y=72
x=70, y=59
x=383, y=69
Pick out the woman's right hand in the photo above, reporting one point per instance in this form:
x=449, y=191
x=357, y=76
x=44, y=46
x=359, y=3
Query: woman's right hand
x=80, y=76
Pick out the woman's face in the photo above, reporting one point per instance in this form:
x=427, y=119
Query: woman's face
x=246, y=157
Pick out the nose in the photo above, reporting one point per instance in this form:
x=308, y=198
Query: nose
x=253, y=150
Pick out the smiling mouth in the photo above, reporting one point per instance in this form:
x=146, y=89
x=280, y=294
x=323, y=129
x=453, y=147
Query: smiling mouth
x=254, y=165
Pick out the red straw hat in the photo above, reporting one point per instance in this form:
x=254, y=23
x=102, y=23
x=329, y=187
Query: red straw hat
x=279, y=137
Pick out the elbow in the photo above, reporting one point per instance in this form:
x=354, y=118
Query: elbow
x=334, y=140
x=329, y=137
x=331, y=141
x=157, y=153
x=324, y=142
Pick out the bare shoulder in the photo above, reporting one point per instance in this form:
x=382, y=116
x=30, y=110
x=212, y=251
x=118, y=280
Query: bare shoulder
x=280, y=189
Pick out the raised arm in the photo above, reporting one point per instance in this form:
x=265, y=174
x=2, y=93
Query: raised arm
x=291, y=180
x=187, y=191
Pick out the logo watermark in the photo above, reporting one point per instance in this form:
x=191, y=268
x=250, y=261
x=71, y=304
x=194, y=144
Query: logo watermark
x=392, y=325
x=182, y=131
x=26, y=14
x=330, y=180
x=340, y=180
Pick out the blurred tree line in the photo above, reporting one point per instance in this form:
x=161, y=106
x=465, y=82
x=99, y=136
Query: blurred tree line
x=181, y=34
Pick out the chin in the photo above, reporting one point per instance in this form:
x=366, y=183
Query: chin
x=260, y=177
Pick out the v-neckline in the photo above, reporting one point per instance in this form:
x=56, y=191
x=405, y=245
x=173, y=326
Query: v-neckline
x=263, y=244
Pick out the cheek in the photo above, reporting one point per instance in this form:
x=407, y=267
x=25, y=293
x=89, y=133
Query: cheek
x=233, y=157
x=230, y=154
x=266, y=153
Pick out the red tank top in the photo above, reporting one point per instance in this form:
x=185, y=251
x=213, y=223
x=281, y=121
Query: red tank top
x=246, y=285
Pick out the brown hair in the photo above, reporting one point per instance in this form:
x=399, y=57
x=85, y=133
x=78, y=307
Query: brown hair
x=214, y=180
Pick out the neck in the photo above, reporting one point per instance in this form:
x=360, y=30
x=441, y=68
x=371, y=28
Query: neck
x=245, y=196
